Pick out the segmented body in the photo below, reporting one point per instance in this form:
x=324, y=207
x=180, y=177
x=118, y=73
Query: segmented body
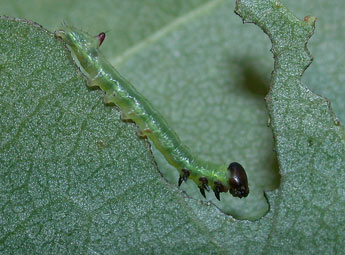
x=151, y=123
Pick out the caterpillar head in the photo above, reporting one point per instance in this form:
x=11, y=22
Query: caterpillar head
x=238, y=180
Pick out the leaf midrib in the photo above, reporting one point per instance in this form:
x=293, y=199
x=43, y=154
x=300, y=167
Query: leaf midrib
x=179, y=21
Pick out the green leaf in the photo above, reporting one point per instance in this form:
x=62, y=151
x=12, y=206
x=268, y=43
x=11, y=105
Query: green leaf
x=224, y=118
x=74, y=179
x=310, y=141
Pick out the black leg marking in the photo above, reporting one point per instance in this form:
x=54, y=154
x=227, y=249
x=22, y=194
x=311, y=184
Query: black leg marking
x=204, y=183
x=183, y=176
x=219, y=187
x=202, y=191
x=186, y=174
x=206, y=187
x=216, y=193
x=180, y=180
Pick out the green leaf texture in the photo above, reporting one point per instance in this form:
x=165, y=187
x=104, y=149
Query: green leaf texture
x=74, y=179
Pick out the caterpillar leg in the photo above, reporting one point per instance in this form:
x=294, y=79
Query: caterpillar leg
x=109, y=98
x=92, y=83
x=203, y=186
x=143, y=133
x=124, y=116
x=202, y=191
x=219, y=187
x=204, y=183
x=216, y=193
x=183, y=176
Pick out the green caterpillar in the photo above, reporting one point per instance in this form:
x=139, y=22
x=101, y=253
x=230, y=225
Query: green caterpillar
x=135, y=107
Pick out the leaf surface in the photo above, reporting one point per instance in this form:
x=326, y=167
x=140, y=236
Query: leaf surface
x=76, y=179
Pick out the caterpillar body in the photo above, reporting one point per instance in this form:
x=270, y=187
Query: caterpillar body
x=133, y=106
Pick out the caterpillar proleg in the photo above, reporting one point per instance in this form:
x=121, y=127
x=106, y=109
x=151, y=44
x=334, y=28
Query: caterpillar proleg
x=133, y=106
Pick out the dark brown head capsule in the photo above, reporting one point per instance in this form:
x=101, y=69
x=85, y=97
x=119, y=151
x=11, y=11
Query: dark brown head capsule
x=238, y=180
x=100, y=38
